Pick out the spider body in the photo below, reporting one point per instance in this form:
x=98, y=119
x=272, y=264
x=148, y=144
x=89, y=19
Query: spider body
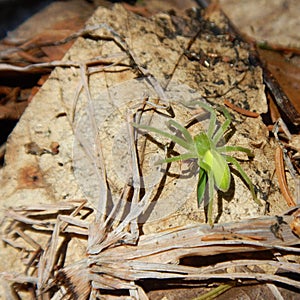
x=213, y=160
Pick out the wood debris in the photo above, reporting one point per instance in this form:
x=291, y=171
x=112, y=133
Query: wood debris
x=104, y=248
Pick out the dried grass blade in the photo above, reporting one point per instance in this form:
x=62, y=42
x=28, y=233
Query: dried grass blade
x=47, y=259
x=135, y=174
x=73, y=221
x=26, y=220
x=99, y=163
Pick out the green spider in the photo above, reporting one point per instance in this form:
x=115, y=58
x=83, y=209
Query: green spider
x=212, y=159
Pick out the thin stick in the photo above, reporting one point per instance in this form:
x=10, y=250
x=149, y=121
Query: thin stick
x=280, y=172
x=82, y=32
x=62, y=64
x=242, y=111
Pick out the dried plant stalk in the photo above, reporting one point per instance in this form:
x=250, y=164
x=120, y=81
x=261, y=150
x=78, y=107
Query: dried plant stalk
x=156, y=256
x=118, y=257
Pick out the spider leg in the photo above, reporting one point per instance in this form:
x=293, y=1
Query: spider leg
x=220, y=132
x=212, y=124
x=172, y=137
x=225, y=113
x=211, y=184
x=213, y=117
x=233, y=161
x=183, y=130
x=206, y=106
x=210, y=201
x=235, y=148
x=184, y=156
x=201, y=186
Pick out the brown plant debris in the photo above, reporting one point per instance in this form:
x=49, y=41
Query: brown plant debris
x=108, y=247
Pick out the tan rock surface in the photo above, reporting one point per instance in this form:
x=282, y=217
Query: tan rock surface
x=28, y=179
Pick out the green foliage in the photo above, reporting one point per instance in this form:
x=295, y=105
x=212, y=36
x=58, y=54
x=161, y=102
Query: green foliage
x=213, y=160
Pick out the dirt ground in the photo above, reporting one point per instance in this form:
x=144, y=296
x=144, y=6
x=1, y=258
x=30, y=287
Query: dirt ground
x=151, y=55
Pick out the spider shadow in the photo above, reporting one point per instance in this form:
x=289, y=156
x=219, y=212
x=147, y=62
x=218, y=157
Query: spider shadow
x=229, y=195
x=185, y=174
x=227, y=135
x=221, y=196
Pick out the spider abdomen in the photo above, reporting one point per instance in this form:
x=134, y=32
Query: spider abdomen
x=215, y=164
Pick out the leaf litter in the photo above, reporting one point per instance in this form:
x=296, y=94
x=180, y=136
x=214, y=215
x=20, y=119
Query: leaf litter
x=103, y=248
